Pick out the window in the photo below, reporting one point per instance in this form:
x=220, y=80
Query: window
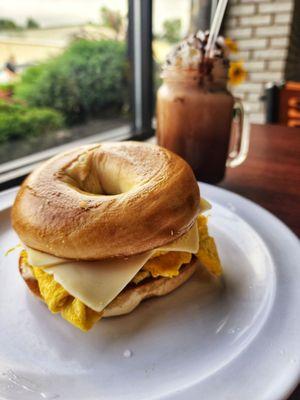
x=80, y=72
x=64, y=75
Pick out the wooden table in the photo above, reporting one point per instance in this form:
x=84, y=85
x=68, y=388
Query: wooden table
x=270, y=176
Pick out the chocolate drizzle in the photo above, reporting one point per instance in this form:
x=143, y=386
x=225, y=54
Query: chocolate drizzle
x=190, y=54
x=205, y=68
x=183, y=51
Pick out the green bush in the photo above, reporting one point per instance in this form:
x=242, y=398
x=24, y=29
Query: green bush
x=172, y=29
x=8, y=24
x=7, y=87
x=32, y=24
x=11, y=108
x=89, y=78
x=17, y=121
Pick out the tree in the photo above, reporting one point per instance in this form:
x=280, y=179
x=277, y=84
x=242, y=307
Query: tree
x=112, y=19
x=171, y=30
x=32, y=24
x=8, y=24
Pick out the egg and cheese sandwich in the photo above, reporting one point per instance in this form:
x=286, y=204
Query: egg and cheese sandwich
x=104, y=227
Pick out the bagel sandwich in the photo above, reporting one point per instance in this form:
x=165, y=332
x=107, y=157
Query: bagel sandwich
x=105, y=226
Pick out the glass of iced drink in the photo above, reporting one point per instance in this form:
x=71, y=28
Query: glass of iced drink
x=197, y=116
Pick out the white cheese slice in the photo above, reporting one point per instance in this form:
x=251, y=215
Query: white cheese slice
x=204, y=205
x=40, y=259
x=188, y=242
x=97, y=283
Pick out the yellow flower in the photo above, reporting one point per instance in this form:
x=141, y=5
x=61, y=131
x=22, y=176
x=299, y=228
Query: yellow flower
x=237, y=73
x=231, y=45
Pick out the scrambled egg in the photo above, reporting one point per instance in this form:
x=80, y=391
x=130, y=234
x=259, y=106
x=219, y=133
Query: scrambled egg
x=166, y=264
x=59, y=300
x=208, y=253
x=140, y=276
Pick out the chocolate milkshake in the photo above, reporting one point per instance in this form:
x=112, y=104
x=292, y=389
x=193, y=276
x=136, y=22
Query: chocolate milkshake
x=194, y=107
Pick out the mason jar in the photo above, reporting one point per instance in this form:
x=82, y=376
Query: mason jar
x=195, y=112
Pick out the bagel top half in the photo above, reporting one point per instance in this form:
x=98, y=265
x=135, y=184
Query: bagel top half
x=106, y=200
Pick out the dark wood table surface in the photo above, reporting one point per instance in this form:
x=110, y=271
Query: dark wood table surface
x=270, y=176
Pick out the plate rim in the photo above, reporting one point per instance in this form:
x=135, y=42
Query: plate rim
x=292, y=382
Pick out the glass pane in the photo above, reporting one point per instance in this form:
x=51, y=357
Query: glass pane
x=63, y=72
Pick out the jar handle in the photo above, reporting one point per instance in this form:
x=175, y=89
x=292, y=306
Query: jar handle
x=239, y=136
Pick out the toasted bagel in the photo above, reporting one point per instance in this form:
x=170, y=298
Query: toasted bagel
x=106, y=200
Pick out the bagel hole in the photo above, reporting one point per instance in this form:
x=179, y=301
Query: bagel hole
x=99, y=174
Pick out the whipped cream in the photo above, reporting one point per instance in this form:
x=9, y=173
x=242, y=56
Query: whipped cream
x=190, y=52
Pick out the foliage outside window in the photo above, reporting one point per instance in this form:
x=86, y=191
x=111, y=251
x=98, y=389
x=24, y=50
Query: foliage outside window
x=88, y=79
x=78, y=89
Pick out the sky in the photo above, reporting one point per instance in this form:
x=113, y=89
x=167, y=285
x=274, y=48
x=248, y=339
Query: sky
x=67, y=12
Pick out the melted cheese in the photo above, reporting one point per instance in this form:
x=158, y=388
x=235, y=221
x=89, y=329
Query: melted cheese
x=97, y=283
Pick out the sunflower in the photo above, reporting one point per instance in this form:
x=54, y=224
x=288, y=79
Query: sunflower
x=237, y=73
x=231, y=45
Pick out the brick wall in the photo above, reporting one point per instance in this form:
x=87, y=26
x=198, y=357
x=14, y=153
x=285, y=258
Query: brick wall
x=261, y=29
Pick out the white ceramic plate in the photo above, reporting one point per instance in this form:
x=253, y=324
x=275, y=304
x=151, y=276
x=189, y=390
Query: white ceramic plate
x=235, y=340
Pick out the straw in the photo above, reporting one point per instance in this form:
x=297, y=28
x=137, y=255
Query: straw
x=215, y=27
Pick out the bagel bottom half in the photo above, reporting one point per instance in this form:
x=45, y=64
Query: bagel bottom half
x=130, y=297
